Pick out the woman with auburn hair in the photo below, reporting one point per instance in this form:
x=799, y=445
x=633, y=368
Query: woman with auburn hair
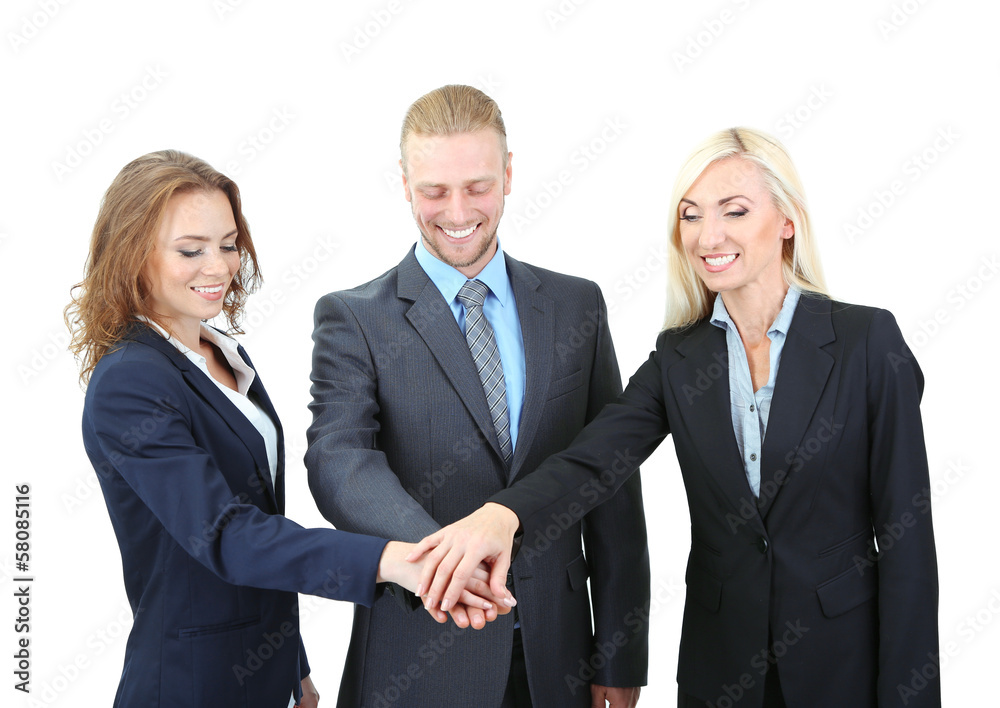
x=189, y=453
x=790, y=602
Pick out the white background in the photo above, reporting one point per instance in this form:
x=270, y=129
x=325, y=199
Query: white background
x=322, y=91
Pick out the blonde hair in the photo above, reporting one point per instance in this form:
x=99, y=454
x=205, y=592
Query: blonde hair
x=688, y=300
x=451, y=110
x=113, y=290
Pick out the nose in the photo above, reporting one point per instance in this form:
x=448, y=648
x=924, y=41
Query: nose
x=215, y=263
x=459, y=208
x=712, y=232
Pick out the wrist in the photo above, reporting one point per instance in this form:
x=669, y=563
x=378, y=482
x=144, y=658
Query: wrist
x=388, y=563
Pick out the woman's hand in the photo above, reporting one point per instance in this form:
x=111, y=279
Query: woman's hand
x=452, y=555
x=476, y=604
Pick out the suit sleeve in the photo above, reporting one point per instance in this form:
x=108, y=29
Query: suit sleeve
x=899, y=482
x=179, y=483
x=601, y=457
x=614, y=535
x=349, y=476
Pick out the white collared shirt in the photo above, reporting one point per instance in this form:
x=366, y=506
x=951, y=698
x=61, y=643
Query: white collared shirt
x=244, y=375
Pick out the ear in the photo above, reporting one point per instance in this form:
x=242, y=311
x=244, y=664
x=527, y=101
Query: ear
x=788, y=229
x=507, y=173
x=406, y=186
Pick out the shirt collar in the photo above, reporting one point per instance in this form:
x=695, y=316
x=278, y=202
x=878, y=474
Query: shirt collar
x=721, y=318
x=226, y=344
x=449, y=280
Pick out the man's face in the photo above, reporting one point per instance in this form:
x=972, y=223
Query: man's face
x=456, y=186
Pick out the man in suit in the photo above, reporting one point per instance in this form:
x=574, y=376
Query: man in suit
x=444, y=381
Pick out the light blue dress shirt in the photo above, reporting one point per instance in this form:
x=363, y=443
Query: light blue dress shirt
x=501, y=312
x=750, y=409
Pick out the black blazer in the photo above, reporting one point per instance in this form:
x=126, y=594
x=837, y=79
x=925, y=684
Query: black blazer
x=211, y=565
x=843, y=462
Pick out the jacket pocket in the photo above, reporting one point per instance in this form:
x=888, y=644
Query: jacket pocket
x=231, y=626
x=565, y=384
x=856, y=539
x=846, y=591
x=577, y=570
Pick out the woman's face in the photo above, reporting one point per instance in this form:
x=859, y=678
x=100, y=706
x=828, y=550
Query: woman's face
x=731, y=231
x=194, y=259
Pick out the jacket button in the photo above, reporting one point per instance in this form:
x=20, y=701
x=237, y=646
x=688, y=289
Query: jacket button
x=762, y=544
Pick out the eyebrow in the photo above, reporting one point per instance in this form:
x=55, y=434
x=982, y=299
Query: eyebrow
x=466, y=183
x=721, y=201
x=196, y=237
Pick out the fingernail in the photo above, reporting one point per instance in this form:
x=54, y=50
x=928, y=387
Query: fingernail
x=420, y=590
x=445, y=604
x=509, y=601
x=487, y=605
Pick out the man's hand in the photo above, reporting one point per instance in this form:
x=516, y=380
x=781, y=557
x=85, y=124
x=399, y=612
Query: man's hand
x=310, y=696
x=614, y=697
x=455, y=552
x=476, y=605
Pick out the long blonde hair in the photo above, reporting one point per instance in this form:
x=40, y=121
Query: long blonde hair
x=113, y=290
x=688, y=300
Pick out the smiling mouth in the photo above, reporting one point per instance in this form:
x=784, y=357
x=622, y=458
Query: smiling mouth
x=459, y=234
x=720, y=260
x=210, y=289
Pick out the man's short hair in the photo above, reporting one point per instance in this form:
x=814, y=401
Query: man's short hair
x=451, y=110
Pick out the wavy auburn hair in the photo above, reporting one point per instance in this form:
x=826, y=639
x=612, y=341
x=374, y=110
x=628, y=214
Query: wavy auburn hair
x=113, y=291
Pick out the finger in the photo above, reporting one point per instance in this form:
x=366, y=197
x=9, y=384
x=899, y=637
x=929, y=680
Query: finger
x=459, y=579
x=473, y=599
x=439, y=566
x=459, y=613
x=498, y=575
x=477, y=617
x=426, y=544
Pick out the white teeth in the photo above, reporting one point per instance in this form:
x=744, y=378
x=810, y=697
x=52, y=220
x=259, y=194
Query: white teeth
x=216, y=289
x=722, y=260
x=459, y=234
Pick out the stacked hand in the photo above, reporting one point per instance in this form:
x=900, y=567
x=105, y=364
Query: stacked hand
x=461, y=552
x=473, y=606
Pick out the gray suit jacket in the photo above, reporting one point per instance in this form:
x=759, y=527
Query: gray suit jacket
x=402, y=443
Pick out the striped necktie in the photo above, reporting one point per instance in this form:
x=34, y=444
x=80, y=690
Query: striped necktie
x=483, y=345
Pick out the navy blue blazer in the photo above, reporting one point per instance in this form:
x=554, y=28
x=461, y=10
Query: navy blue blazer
x=211, y=565
x=843, y=463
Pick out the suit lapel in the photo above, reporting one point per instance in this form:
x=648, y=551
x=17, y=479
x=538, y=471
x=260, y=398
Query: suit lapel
x=700, y=383
x=536, y=314
x=433, y=320
x=802, y=377
x=210, y=393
